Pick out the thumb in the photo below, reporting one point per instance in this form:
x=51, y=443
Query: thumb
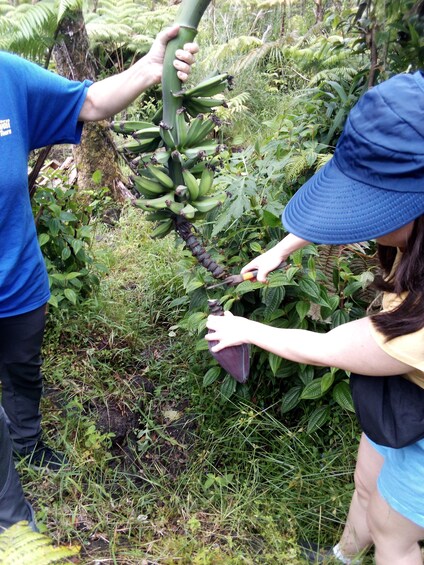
x=167, y=34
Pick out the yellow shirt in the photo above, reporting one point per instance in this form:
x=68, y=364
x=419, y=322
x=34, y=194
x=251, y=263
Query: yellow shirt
x=408, y=348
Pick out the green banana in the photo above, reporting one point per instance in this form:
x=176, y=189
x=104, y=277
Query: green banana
x=207, y=148
x=157, y=216
x=181, y=127
x=175, y=207
x=192, y=184
x=140, y=146
x=146, y=133
x=194, y=128
x=188, y=212
x=161, y=176
x=207, y=204
x=160, y=157
x=163, y=228
x=206, y=181
x=157, y=116
x=203, y=131
x=208, y=87
x=195, y=106
x=207, y=102
x=159, y=203
x=152, y=186
x=129, y=126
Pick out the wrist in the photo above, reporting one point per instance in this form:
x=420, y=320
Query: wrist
x=146, y=73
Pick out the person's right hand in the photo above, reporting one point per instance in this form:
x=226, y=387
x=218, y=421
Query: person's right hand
x=265, y=263
x=273, y=258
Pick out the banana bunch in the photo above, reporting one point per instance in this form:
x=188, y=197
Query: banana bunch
x=145, y=136
x=200, y=99
x=158, y=150
x=165, y=201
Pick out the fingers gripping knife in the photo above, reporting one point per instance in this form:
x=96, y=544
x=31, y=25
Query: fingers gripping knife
x=234, y=359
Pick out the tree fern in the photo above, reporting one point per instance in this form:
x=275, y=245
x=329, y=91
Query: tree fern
x=19, y=545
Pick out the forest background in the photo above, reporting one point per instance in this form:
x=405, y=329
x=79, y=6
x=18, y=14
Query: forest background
x=172, y=460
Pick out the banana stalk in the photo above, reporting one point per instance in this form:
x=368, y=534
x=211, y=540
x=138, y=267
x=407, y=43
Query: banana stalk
x=188, y=18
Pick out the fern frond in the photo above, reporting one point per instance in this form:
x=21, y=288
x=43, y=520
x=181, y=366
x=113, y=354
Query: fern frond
x=236, y=105
x=67, y=5
x=297, y=165
x=235, y=46
x=336, y=74
x=20, y=544
x=322, y=159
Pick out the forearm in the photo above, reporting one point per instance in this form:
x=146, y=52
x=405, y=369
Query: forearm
x=290, y=244
x=350, y=346
x=301, y=346
x=110, y=96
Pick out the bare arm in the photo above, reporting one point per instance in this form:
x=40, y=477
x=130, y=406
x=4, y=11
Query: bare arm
x=111, y=95
x=350, y=346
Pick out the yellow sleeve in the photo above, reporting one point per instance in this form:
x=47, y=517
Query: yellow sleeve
x=408, y=349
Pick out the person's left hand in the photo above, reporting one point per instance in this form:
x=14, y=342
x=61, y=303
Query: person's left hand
x=228, y=330
x=185, y=57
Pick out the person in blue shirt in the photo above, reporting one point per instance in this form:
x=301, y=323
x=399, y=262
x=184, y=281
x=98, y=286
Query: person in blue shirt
x=39, y=108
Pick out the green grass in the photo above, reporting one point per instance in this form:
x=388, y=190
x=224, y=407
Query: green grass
x=163, y=470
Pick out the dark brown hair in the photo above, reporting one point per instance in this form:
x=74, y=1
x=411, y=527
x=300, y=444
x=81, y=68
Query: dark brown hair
x=408, y=277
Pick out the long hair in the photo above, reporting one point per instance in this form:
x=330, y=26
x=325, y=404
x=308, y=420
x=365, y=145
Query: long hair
x=408, y=278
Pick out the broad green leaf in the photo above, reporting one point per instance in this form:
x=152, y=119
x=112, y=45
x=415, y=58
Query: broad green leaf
x=71, y=276
x=193, y=284
x=302, y=308
x=228, y=386
x=58, y=277
x=274, y=362
x=277, y=278
x=66, y=253
x=211, y=376
x=291, y=399
x=343, y=397
x=70, y=295
x=306, y=374
x=318, y=418
x=270, y=220
x=312, y=390
x=339, y=317
x=352, y=287
x=310, y=288
x=326, y=381
x=97, y=176
x=43, y=239
x=290, y=273
x=256, y=247
x=67, y=217
x=53, y=301
x=76, y=245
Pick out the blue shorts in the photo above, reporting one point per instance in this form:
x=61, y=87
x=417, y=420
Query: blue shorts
x=401, y=480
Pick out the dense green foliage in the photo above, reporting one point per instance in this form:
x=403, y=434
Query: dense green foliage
x=65, y=226
x=172, y=460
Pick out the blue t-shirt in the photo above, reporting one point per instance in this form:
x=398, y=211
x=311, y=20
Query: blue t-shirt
x=37, y=108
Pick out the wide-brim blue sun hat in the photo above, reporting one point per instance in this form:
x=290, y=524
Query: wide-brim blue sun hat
x=374, y=183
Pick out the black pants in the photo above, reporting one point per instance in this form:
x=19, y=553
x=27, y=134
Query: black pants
x=21, y=338
x=13, y=507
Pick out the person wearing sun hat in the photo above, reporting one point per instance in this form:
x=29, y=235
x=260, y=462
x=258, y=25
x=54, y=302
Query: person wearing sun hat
x=372, y=188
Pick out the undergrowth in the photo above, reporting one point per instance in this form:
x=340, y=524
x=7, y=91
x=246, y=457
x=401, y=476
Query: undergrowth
x=161, y=469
